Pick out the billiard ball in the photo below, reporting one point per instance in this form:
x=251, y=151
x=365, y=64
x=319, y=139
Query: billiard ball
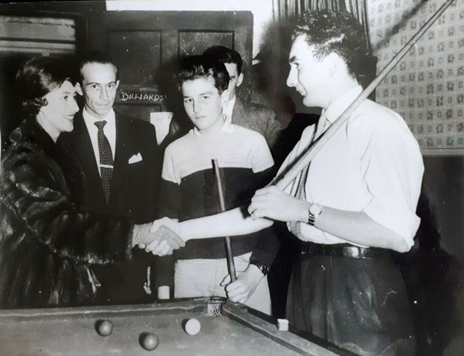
x=149, y=341
x=104, y=327
x=192, y=326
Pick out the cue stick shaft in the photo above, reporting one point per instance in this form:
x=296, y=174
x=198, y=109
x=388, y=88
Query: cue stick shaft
x=284, y=180
x=228, y=245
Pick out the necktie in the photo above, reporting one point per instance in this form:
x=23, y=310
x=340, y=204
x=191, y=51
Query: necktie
x=295, y=226
x=106, y=159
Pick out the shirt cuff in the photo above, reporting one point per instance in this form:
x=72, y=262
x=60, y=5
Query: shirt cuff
x=395, y=217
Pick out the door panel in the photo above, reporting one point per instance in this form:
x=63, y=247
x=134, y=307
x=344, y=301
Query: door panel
x=196, y=42
x=146, y=46
x=126, y=47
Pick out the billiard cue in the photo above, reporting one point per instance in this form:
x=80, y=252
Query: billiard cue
x=228, y=245
x=283, y=180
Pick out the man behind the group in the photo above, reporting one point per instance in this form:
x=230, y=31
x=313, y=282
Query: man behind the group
x=189, y=189
x=118, y=166
x=247, y=114
x=356, y=202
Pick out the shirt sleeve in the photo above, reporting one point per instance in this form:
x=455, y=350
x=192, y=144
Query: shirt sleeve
x=392, y=166
x=168, y=172
x=261, y=155
x=266, y=247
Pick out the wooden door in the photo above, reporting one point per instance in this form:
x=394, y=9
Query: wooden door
x=146, y=46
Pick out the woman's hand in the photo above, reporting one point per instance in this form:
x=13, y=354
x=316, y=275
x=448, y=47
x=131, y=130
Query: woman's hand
x=158, y=239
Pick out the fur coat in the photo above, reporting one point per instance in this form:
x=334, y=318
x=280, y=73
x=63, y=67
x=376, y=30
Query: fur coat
x=46, y=242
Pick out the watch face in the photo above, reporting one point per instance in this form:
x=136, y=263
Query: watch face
x=315, y=209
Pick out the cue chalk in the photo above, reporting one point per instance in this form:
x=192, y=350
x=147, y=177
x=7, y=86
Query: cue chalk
x=282, y=324
x=229, y=255
x=163, y=293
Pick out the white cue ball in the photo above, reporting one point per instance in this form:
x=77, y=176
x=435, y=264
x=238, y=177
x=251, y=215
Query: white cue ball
x=192, y=327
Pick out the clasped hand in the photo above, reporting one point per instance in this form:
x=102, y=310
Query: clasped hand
x=160, y=237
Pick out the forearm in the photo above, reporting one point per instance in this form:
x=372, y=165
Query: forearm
x=359, y=228
x=230, y=223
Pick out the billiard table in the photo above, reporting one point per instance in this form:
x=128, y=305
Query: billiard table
x=226, y=329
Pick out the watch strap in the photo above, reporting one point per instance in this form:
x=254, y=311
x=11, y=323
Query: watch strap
x=261, y=266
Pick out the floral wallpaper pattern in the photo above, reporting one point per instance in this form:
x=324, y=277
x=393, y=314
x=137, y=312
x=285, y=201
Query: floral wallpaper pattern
x=427, y=87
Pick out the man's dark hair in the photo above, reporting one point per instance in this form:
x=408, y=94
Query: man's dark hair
x=225, y=55
x=195, y=67
x=334, y=32
x=96, y=57
x=36, y=78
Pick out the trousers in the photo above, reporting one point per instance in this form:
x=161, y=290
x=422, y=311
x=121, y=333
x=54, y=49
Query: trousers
x=202, y=278
x=359, y=304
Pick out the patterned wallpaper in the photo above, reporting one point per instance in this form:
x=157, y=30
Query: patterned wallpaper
x=427, y=86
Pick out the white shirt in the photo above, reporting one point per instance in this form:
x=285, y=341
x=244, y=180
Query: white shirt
x=229, y=109
x=109, y=130
x=233, y=146
x=372, y=164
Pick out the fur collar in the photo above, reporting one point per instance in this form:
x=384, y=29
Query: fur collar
x=32, y=135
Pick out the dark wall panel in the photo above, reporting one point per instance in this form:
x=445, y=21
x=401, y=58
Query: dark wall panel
x=131, y=48
x=444, y=184
x=196, y=42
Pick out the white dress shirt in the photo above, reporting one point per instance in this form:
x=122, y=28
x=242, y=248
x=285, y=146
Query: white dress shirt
x=372, y=164
x=109, y=130
x=229, y=109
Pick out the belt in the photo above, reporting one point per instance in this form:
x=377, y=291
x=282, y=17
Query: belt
x=342, y=250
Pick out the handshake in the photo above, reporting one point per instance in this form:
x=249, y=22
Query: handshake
x=161, y=237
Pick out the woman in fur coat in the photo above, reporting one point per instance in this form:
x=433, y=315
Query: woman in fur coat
x=46, y=243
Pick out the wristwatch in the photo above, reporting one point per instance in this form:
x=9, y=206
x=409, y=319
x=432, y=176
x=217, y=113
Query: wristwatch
x=313, y=212
x=261, y=266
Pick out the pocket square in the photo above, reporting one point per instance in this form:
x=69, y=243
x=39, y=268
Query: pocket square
x=135, y=158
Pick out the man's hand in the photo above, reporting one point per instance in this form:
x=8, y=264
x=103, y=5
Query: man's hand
x=161, y=242
x=172, y=224
x=272, y=203
x=244, y=286
x=166, y=237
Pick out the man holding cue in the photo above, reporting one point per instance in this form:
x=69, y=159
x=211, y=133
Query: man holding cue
x=354, y=203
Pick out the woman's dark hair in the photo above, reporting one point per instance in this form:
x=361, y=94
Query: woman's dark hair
x=36, y=78
x=195, y=67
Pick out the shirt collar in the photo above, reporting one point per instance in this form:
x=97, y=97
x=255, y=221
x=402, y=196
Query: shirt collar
x=228, y=110
x=110, y=118
x=227, y=127
x=334, y=111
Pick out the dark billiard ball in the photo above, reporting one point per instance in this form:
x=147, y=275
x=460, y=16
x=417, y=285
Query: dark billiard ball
x=104, y=327
x=149, y=341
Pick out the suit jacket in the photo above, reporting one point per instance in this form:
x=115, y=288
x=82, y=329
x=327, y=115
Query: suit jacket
x=134, y=189
x=258, y=118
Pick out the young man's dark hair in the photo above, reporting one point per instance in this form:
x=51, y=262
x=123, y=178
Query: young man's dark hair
x=337, y=32
x=194, y=67
x=225, y=55
x=96, y=57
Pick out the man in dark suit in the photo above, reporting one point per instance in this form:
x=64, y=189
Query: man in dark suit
x=118, y=164
x=252, y=116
